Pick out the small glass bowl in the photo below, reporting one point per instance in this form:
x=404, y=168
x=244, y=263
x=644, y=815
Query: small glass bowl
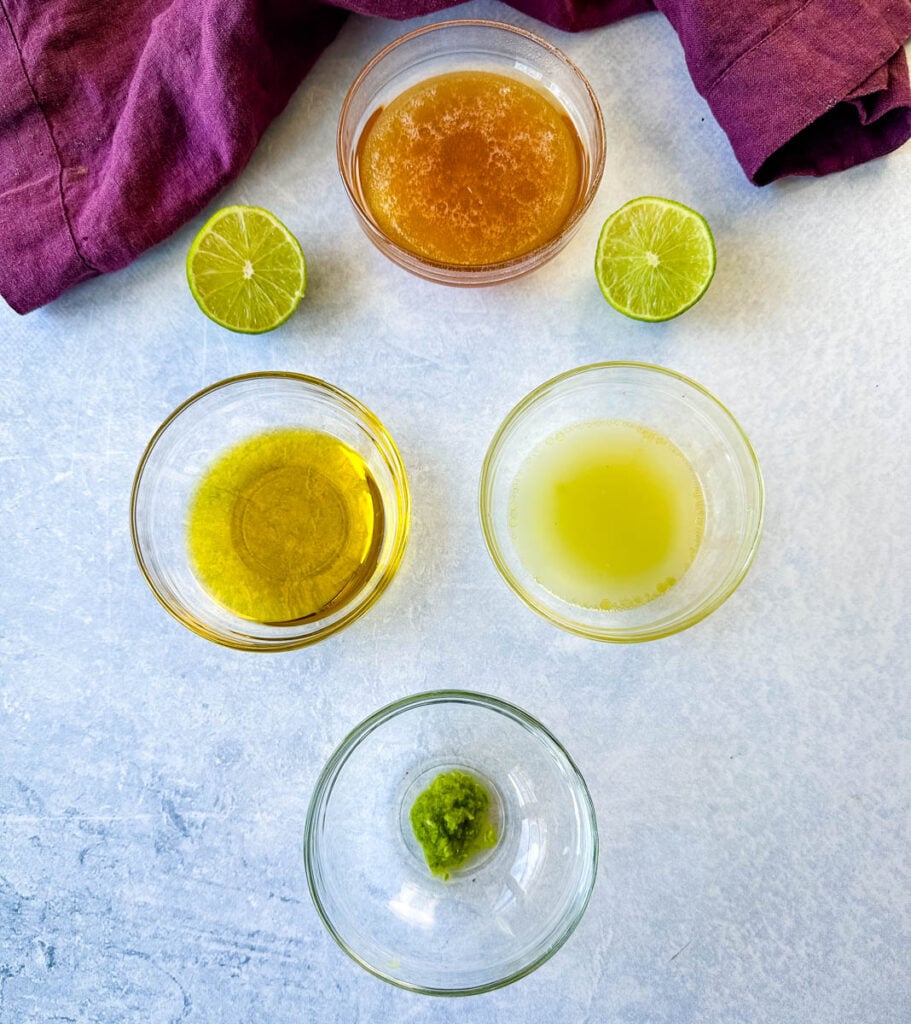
x=184, y=448
x=504, y=912
x=473, y=45
x=705, y=432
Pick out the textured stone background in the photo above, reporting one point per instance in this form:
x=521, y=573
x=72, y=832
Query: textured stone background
x=751, y=776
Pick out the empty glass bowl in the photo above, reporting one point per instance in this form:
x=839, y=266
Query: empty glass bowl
x=184, y=448
x=679, y=410
x=504, y=912
x=470, y=45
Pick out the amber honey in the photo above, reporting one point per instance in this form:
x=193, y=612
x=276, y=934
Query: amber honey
x=471, y=168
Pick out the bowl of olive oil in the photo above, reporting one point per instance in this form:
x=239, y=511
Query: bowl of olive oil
x=621, y=501
x=269, y=511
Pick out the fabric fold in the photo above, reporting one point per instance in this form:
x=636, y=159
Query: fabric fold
x=38, y=256
x=823, y=86
x=120, y=121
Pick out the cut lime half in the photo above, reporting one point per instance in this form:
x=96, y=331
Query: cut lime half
x=655, y=258
x=246, y=270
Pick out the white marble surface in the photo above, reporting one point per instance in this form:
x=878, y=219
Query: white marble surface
x=751, y=776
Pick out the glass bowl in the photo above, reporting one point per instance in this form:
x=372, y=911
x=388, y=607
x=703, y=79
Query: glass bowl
x=184, y=448
x=473, y=45
x=705, y=432
x=503, y=913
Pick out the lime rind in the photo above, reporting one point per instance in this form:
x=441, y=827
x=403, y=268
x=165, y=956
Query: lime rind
x=246, y=270
x=655, y=258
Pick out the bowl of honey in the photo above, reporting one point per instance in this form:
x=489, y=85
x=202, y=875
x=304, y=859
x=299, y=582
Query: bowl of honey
x=622, y=501
x=470, y=151
x=269, y=511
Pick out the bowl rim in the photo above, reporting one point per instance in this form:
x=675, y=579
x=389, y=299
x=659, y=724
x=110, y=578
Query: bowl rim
x=336, y=761
x=185, y=615
x=500, y=270
x=613, y=635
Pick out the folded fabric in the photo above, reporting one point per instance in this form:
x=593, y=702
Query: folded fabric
x=120, y=121
x=800, y=86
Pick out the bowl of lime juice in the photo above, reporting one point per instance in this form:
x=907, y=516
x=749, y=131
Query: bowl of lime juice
x=621, y=501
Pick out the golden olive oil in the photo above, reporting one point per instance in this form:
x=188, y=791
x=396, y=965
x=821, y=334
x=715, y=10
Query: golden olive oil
x=607, y=514
x=286, y=526
x=471, y=167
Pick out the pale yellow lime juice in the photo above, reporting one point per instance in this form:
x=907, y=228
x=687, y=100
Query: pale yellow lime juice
x=607, y=514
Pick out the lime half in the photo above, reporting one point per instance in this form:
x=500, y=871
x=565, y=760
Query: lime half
x=246, y=270
x=655, y=258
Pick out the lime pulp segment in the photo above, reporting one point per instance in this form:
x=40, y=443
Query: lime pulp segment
x=246, y=270
x=655, y=258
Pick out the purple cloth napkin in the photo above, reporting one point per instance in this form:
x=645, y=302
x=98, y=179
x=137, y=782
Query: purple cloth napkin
x=119, y=121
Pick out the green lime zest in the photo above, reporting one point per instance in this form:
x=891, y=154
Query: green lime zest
x=450, y=820
x=655, y=258
x=246, y=270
